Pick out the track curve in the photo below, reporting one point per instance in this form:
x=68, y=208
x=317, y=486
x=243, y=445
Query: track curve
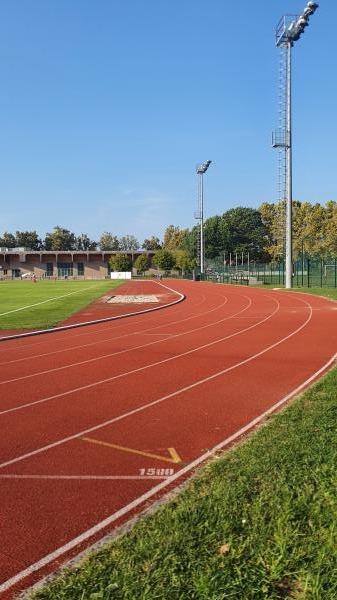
x=97, y=421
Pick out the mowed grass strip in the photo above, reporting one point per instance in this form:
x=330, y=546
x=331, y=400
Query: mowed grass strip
x=44, y=304
x=260, y=522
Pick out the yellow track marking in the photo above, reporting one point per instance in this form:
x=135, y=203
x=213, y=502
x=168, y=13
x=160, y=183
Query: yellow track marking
x=175, y=458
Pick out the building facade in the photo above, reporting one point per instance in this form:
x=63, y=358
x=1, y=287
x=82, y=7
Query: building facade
x=21, y=262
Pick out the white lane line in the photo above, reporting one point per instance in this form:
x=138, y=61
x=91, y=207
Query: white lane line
x=108, y=339
x=9, y=312
x=82, y=477
x=147, y=495
x=154, y=402
x=119, y=352
x=181, y=297
x=139, y=369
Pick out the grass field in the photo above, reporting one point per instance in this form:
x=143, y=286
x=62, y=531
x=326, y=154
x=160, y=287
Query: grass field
x=29, y=305
x=258, y=523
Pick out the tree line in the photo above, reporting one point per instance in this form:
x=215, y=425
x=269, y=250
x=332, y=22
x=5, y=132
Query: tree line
x=63, y=239
x=259, y=232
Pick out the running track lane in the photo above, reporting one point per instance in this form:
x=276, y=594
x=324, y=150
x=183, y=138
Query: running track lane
x=97, y=421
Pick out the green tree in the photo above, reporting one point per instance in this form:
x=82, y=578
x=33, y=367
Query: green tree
x=244, y=231
x=142, y=263
x=152, y=243
x=8, y=240
x=174, y=238
x=120, y=263
x=189, y=243
x=274, y=218
x=309, y=229
x=331, y=228
x=108, y=241
x=164, y=259
x=83, y=242
x=28, y=239
x=215, y=237
x=60, y=239
x=128, y=242
x=183, y=261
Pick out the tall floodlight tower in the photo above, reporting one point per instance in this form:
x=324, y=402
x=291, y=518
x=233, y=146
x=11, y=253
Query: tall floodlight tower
x=288, y=31
x=199, y=215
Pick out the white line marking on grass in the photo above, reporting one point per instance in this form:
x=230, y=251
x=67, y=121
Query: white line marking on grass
x=101, y=341
x=153, y=403
x=147, y=495
x=181, y=297
x=45, y=301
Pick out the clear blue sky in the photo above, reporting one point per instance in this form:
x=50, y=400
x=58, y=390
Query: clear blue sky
x=106, y=107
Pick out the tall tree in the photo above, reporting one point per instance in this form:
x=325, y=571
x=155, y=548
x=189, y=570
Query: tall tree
x=215, y=237
x=152, y=243
x=128, y=242
x=274, y=219
x=331, y=228
x=183, y=261
x=309, y=229
x=83, y=242
x=7, y=240
x=60, y=239
x=120, y=263
x=142, y=263
x=108, y=241
x=244, y=231
x=164, y=259
x=28, y=239
x=174, y=237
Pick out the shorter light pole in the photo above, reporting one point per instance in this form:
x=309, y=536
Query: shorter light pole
x=201, y=169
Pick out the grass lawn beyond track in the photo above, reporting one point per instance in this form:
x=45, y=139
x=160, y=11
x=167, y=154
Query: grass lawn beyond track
x=29, y=305
x=258, y=523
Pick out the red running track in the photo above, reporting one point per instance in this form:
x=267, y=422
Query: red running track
x=98, y=421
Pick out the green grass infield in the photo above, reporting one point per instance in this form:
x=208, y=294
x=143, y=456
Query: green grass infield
x=43, y=304
x=257, y=522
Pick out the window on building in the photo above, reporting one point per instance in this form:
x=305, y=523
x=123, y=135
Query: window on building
x=80, y=268
x=65, y=269
x=49, y=269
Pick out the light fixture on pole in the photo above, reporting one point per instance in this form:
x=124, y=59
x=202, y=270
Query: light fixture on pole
x=199, y=215
x=288, y=31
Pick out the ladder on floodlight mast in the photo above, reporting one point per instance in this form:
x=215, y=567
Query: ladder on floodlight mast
x=282, y=124
x=198, y=217
x=281, y=135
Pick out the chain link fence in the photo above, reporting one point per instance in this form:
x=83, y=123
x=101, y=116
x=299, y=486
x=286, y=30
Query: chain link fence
x=307, y=272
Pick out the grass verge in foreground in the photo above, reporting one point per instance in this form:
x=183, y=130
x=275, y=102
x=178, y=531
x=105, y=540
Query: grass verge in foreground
x=29, y=305
x=258, y=523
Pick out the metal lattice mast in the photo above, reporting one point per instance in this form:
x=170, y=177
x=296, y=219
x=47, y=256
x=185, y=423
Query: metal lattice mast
x=198, y=215
x=282, y=135
x=288, y=31
x=282, y=125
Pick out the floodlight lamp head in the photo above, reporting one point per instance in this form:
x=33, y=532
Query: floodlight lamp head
x=302, y=22
x=312, y=5
x=201, y=169
x=307, y=12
